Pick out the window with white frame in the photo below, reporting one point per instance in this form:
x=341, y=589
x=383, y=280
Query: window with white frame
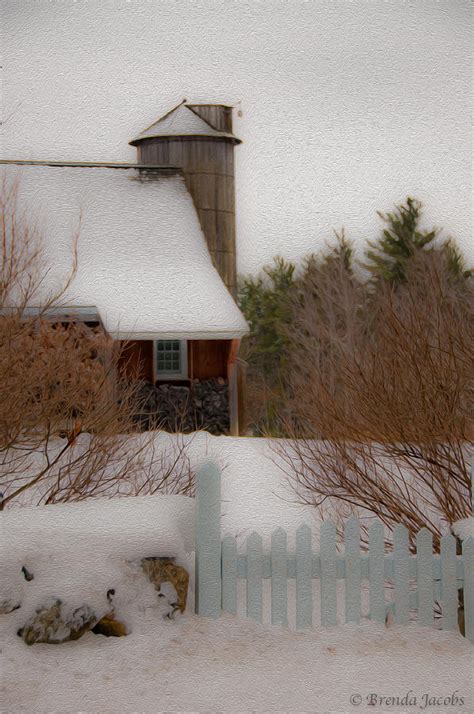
x=171, y=359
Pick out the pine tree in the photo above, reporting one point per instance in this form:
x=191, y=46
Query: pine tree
x=263, y=300
x=388, y=257
x=269, y=304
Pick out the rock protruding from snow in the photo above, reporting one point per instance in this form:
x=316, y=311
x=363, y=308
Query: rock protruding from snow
x=165, y=570
x=8, y=605
x=53, y=624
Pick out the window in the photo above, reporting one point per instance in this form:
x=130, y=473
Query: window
x=171, y=359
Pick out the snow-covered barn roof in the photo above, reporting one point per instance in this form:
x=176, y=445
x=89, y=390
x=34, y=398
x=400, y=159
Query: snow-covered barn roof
x=142, y=258
x=181, y=121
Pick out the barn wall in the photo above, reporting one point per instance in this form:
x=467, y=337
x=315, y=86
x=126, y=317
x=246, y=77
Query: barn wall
x=207, y=399
x=137, y=359
x=208, y=358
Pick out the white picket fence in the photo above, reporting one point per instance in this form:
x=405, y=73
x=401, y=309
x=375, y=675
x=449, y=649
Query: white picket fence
x=415, y=584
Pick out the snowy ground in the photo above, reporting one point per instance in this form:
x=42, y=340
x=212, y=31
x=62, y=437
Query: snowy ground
x=194, y=664
x=230, y=665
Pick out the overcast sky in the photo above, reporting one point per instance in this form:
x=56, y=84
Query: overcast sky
x=347, y=107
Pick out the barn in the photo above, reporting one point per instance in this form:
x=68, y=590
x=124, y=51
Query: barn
x=156, y=259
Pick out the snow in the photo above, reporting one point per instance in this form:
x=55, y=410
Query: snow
x=235, y=665
x=255, y=492
x=464, y=529
x=143, y=259
x=160, y=524
x=77, y=552
x=182, y=121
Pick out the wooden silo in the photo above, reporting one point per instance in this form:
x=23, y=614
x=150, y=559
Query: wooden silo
x=198, y=138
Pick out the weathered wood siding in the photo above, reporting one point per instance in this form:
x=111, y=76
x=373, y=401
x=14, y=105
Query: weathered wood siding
x=208, y=165
x=137, y=359
x=232, y=376
x=217, y=115
x=208, y=358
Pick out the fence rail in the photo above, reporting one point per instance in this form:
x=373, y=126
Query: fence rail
x=416, y=581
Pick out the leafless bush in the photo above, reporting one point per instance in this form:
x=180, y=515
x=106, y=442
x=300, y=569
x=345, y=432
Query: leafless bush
x=65, y=411
x=167, y=469
x=381, y=393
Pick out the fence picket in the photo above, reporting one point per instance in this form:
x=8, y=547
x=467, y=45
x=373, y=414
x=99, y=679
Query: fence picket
x=279, y=577
x=449, y=593
x=229, y=574
x=304, y=591
x=328, y=573
x=468, y=556
x=401, y=578
x=424, y=576
x=208, y=541
x=376, y=572
x=218, y=566
x=254, y=577
x=352, y=574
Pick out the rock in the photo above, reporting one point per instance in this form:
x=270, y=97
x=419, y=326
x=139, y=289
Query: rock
x=110, y=627
x=164, y=570
x=26, y=574
x=52, y=625
x=7, y=606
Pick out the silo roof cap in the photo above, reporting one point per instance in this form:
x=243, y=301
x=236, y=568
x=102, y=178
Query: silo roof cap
x=181, y=121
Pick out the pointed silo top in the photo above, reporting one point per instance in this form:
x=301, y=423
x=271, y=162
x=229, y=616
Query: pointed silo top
x=182, y=120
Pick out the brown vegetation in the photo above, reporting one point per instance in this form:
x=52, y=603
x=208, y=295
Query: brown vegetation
x=380, y=392
x=65, y=413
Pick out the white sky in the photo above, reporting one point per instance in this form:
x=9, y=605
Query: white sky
x=348, y=107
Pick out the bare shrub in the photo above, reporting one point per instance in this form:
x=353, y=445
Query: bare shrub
x=381, y=394
x=66, y=413
x=166, y=469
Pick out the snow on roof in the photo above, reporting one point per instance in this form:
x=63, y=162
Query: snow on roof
x=143, y=259
x=181, y=121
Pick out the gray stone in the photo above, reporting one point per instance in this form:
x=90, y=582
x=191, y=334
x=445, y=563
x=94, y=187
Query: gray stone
x=51, y=625
x=7, y=606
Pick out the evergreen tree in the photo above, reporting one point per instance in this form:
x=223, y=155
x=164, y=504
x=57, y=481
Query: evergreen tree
x=327, y=286
x=389, y=256
x=264, y=302
x=270, y=302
